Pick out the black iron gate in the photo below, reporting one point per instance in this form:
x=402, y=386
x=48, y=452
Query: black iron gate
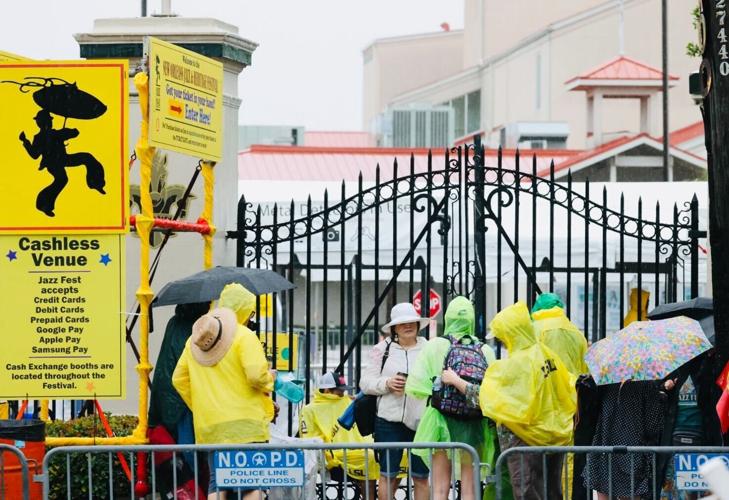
x=462, y=226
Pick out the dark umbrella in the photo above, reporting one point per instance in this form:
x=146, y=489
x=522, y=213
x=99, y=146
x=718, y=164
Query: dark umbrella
x=67, y=100
x=206, y=286
x=701, y=309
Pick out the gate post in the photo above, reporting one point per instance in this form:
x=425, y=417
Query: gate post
x=240, y=230
x=479, y=235
x=694, y=235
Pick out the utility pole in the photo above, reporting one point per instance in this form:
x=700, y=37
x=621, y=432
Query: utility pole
x=714, y=74
x=667, y=167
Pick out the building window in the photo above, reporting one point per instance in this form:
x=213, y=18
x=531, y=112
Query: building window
x=459, y=118
x=473, y=118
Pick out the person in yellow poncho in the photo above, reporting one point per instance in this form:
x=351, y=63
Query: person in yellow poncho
x=223, y=377
x=556, y=331
x=434, y=426
x=531, y=396
x=319, y=420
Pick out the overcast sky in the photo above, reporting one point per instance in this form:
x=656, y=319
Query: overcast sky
x=306, y=71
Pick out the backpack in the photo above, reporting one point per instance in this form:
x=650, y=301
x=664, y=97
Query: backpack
x=469, y=362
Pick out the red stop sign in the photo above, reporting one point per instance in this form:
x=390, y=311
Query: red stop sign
x=435, y=304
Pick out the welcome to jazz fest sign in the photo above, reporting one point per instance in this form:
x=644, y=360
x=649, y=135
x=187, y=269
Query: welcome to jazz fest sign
x=186, y=101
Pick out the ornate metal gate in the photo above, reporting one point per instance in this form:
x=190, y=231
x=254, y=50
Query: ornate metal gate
x=460, y=225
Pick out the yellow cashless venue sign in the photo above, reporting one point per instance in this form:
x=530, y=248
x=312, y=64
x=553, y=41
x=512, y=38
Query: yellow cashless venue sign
x=186, y=101
x=62, y=306
x=64, y=141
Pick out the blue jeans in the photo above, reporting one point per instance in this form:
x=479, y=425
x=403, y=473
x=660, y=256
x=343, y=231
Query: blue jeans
x=389, y=460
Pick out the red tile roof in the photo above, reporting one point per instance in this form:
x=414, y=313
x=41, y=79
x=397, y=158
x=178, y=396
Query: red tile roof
x=289, y=163
x=686, y=133
x=623, y=68
x=608, y=146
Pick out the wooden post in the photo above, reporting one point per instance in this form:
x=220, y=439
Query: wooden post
x=715, y=109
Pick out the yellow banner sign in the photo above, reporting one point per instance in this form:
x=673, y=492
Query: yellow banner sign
x=64, y=143
x=186, y=101
x=285, y=354
x=63, y=319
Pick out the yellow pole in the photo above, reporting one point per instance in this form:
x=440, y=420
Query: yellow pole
x=44, y=410
x=207, y=215
x=144, y=224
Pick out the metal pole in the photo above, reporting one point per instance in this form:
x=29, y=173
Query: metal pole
x=144, y=8
x=479, y=234
x=668, y=177
x=715, y=108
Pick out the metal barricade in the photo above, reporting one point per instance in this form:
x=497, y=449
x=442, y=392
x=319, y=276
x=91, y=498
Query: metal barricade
x=87, y=471
x=8, y=482
x=550, y=464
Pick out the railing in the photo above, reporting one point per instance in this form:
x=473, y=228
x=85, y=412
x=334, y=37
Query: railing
x=98, y=458
x=656, y=460
x=9, y=487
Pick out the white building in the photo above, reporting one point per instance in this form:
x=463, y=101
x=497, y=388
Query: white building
x=525, y=73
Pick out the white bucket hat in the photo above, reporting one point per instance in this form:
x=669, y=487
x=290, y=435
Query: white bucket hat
x=404, y=313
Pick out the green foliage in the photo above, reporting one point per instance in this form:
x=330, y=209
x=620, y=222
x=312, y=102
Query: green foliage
x=693, y=49
x=79, y=462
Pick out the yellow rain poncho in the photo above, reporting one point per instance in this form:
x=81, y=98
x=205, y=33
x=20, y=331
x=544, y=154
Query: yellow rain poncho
x=434, y=426
x=319, y=420
x=239, y=300
x=556, y=331
x=531, y=392
x=228, y=400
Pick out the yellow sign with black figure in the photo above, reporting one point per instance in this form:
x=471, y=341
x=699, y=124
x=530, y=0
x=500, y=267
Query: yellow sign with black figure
x=63, y=316
x=186, y=101
x=64, y=141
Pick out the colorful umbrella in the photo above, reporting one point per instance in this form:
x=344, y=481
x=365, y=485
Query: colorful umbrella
x=646, y=350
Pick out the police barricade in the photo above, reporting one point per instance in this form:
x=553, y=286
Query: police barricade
x=283, y=471
x=14, y=475
x=616, y=471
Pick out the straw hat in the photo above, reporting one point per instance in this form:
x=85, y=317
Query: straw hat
x=404, y=313
x=212, y=336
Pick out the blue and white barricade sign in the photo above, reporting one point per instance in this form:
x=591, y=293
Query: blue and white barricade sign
x=259, y=468
x=687, y=466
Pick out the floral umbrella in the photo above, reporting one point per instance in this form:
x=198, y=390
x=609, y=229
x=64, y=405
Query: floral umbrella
x=646, y=350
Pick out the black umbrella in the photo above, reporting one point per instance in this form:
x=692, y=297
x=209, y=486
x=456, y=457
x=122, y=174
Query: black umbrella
x=206, y=286
x=701, y=309
x=67, y=100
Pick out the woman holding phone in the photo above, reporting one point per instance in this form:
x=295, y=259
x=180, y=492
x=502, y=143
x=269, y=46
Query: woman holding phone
x=397, y=414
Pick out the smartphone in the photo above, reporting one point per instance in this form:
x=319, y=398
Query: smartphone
x=403, y=374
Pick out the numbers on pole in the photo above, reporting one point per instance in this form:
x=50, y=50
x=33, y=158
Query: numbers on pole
x=722, y=52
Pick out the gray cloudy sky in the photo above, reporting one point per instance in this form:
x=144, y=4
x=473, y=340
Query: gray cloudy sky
x=306, y=71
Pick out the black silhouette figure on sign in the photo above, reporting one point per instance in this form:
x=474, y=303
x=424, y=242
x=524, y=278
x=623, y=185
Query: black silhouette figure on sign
x=66, y=100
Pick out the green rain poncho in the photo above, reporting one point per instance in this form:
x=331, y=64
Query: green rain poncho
x=434, y=426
